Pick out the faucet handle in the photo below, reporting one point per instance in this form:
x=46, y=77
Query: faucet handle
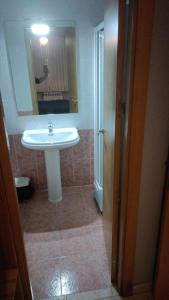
x=50, y=128
x=50, y=124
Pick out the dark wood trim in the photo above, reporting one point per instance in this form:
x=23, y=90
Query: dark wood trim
x=118, y=140
x=7, y=248
x=141, y=32
x=14, y=254
x=8, y=284
x=161, y=286
x=126, y=141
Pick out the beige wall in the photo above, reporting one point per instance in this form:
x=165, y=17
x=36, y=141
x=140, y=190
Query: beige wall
x=156, y=143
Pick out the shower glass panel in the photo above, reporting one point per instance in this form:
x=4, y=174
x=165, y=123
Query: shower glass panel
x=99, y=131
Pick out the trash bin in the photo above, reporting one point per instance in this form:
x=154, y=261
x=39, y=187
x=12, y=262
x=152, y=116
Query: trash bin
x=24, y=188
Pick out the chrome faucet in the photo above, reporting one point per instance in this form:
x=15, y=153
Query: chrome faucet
x=50, y=128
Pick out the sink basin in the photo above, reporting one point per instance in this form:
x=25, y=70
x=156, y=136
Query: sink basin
x=40, y=139
x=51, y=143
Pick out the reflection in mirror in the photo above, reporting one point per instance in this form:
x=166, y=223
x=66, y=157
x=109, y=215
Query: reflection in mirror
x=51, y=68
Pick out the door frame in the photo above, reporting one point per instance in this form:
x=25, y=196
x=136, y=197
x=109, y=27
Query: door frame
x=126, y=200
x=118, y=145
x=161, y=288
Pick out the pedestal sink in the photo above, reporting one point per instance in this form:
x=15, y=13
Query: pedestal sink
x=51, y=143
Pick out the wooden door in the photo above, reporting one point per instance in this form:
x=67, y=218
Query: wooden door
x=121, y=54
x=162, y=275
x=12, y=252
x=110, y=54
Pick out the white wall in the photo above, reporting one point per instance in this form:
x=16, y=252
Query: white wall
x=156, y=142
x=86, y=14
x=17, y=55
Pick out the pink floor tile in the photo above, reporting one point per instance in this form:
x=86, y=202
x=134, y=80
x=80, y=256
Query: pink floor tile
x=42, y=237
x=38, y=251
x=45, y=278
x=74, y=190
x=65, y=243
x=71, y=233
x=82, y=273
x=75, y=245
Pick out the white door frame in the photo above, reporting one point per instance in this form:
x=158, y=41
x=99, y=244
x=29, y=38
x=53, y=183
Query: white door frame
x=98, y=187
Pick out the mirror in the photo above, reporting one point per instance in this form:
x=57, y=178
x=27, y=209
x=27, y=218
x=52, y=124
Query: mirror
x=43, y=67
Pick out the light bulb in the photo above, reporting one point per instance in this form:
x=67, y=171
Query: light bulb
x=43, y=40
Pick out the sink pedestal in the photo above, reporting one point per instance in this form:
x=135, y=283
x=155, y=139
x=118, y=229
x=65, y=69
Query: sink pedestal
x=52, y=160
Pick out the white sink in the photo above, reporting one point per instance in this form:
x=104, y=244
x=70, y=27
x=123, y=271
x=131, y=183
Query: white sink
x=51, y=143
x=40, y=139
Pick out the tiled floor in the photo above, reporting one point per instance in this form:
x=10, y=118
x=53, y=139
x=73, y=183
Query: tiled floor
x=65, y=244
x=104, y=294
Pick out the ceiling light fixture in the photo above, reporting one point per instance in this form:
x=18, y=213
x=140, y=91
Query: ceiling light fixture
x=40, y=29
